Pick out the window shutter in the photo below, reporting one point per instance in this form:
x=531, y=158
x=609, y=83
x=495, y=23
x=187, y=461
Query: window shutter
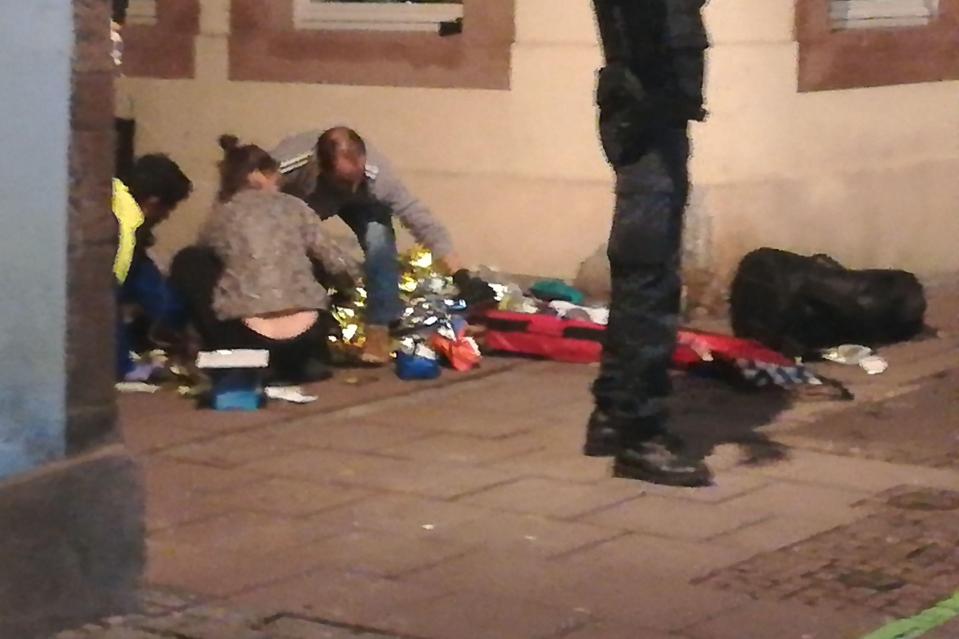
x=882, y=14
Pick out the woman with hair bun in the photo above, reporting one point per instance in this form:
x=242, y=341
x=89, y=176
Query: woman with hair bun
x=267, y=296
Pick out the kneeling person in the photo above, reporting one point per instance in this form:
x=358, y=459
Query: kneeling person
x=337, y=173
x=267, y=296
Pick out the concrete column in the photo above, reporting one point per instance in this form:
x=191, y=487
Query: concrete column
x=36, y=43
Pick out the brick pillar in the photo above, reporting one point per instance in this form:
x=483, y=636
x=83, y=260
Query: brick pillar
x=91, y=405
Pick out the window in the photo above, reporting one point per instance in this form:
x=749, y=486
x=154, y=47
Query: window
x=376, y=15
x=864, y=43
x=882, y=14
x=142, y=13
x=451, y=44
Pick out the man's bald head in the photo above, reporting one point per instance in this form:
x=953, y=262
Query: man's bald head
x=341, y=154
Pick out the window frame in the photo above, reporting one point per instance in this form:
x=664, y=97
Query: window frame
x=165, y=49
x=858, y=58
x=266, y=46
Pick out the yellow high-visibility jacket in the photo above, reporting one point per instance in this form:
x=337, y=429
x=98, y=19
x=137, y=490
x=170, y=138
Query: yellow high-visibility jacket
x=129, y=218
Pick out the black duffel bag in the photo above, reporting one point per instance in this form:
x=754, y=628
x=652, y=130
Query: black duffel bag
x=800, y=305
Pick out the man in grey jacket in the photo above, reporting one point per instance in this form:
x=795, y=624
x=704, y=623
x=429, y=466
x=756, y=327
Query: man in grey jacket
x=337, y=173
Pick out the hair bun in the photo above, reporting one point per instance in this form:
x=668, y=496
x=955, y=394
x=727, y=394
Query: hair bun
x=229, y=142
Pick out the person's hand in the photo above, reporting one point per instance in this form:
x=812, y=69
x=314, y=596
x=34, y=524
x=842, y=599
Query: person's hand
x=474, y=291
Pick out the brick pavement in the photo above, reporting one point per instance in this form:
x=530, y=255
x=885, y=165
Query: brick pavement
x=465, y=511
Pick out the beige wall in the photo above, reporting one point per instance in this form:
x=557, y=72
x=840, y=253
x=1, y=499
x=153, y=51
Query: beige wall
x=518, y=176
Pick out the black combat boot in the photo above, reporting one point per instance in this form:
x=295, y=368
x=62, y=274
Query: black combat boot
x=603, y=437
x=659, y=460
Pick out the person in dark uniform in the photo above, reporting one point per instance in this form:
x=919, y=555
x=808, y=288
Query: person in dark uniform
x=649, y=90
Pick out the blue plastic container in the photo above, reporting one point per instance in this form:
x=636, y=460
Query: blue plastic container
x=237, y=389
x=412, y=367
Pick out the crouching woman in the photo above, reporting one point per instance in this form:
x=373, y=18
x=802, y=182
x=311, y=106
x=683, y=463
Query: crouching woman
x=267, y=296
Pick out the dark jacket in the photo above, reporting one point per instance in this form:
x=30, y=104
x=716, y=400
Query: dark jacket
x=653, y=78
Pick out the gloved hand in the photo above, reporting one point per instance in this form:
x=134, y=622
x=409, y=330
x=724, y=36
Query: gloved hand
x=474, y=291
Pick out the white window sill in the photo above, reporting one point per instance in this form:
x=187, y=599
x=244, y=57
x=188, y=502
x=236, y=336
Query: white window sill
x=882, y=14
x=364, y=16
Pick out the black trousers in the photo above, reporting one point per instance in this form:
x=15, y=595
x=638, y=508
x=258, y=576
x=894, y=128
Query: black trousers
x=288, y=357
x=195, y=272
x=644, y=252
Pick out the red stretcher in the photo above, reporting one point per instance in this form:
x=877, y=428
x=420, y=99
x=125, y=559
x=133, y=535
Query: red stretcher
x=581, y=342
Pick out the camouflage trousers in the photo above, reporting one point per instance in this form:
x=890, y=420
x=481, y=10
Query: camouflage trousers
x=644, y=253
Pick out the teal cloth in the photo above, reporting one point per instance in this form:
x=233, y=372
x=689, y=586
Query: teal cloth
x=557, y=290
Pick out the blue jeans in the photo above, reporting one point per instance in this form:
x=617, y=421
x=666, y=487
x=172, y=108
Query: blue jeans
x=145, y=287
x=374, y=230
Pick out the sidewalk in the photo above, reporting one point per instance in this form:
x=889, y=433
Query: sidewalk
x=466, y=512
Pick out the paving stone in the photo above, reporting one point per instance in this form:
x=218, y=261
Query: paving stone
x=615, y=630
x=727, y=485
x=528, y=534
x=174, y=505
x=355, y=435
x=949, y=630
x=567, y=466
x=290, y=628
x=224, y=573
x=163, y=409
x=503, y=573
x=894, y=560
x=122, y=633
x=654, y=557
x=156, y=602
x=627, y=595
x=875, y=430
x=383, y=554
x=244, y=532
x=342, y=596
x=620, y=592
x=561, y=440
x=781, y=620
x=406, y=515
x=288, y=497
x=228, y=451
x=327, y=465
x=146, y=438
x=206, y=623
x=819, y=503
x=171, y=475
x=461, y=449
x=775, y=532
x=384, y=473
x=481, y=616
x=554, y=498
x=855, y=474
x=676, y=518
x=457, y=420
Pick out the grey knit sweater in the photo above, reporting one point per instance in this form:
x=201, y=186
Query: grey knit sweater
x=265, y=241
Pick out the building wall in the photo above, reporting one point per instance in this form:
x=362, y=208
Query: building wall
x=519, y=177
x=35, y=69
